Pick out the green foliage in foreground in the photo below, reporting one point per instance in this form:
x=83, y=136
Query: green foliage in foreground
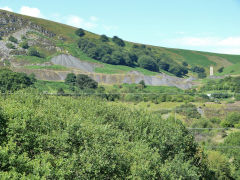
x=51, y=137
x=233, y=144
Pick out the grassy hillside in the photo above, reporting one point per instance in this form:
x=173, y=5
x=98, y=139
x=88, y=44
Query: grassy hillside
x=66, y=39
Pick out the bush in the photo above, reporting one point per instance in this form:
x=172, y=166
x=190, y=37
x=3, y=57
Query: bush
x=231, y=120
x=147, y=62
x=1, y=38
x=24, y=45
x=188, y=110
x=220, y=70
x=13, y=39
x=142, y=83
x=104, y=38
x=60, y=92
x=202, y=75
x=184, y=63
x=10, y=46
x=85, y=82
x=34, y=52
x=118, y=41
x=198, y=69
x=80, y=32
x=163, y=65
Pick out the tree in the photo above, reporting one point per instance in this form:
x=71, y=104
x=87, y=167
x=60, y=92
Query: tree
x=118, y=58
x=202, y=75
x=147, y=62
x=84, y=82
x=71, y=79
x=220, y=70
x=104, y=38
x=142, y=83
x=80, y=32
x=184, y=63
x=12, y=81
x=13, y=39
x=198, y=69
x=107, y=59
x=118, y=41
x=163, y=65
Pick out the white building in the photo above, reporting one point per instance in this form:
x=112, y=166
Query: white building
x=211, y=71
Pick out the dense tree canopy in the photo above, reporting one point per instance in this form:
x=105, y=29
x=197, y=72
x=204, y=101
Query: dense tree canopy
x=12, y=81
x=83, y=138
x=104, y=51
x=147, y=62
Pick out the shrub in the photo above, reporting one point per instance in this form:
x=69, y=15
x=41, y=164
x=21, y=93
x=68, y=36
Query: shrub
x=10, y=46
x=142, y=83
x=24, y=45
x=231, y=120
x=1, y=38
x=34, y=52
x=220, y=70
x=163, y=65
x=60, y=92
x=80, y=32
x=118, y=41
x=188, y=110
x=148, y=62
x=13, y=39
x=198, y=69
x=184, y=63
x=202, y=75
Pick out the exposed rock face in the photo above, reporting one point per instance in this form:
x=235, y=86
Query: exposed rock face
x=9, y=23
x=72, y=62
x=83, y=67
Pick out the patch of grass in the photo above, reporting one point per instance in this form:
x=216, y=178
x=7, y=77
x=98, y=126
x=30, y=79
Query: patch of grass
x=231, y=58
x=119, y=69
x=52, y=67
x=193, y=58
x=32, y=59
x=51, y=86
x=230, y=70
x=163, y=89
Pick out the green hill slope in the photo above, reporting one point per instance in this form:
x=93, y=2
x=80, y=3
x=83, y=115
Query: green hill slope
x=64, y=39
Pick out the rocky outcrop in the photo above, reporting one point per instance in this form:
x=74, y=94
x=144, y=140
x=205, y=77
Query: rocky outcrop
x=9, y=23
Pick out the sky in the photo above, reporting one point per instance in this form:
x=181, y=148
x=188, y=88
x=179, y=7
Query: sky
x=205, y=25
